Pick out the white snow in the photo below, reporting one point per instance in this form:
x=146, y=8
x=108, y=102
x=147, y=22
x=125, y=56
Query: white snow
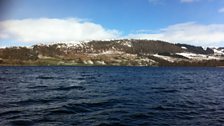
x=197, y=56
x=90, y=62
x=112, y=52
x=147, y=60
x=72, y=44
x=184, y=47
x=128, y=44
x=43, y=57
x=205, y=48
x=219, y=52
x=61, y=46
x=167, y=58
x=100, y=62
x=2, y=47
x=191, y=56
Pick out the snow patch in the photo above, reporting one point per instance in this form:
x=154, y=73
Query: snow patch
x=219, y=52
x=205, y=48
x=43, y=57
x=126, y=43
x=100, y=62
x=198, y=56
x=2, y=47
x=90, y=62
x=184, y=47
x=111, y=52
x=167, y=58
x=147, y=60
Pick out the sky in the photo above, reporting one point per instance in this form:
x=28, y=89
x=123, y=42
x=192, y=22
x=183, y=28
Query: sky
x=28, y=22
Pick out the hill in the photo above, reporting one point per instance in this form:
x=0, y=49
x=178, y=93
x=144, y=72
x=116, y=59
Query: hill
x=114, y=52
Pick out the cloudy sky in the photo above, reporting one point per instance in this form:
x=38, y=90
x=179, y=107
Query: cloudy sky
x=27, y=22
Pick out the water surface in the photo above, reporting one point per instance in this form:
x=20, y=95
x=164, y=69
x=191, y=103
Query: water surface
x=111, y=96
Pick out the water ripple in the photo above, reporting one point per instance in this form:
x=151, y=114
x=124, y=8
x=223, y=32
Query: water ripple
x=110, y=96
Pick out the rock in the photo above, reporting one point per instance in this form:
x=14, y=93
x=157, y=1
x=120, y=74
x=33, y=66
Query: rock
x=90, y=62
x=100, y=63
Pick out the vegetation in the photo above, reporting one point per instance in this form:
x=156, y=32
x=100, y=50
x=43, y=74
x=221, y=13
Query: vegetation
x=114, y=52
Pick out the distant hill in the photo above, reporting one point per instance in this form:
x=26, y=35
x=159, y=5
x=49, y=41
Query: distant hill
x=195, y=49
x=114, y=52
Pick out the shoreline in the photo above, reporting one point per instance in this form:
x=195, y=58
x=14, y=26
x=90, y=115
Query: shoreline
x=83, y=65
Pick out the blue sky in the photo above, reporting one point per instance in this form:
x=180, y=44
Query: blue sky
x=146, y=19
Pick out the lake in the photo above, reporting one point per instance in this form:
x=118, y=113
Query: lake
x=132, y=96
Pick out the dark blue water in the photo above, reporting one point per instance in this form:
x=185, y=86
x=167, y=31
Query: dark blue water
x=111, y=96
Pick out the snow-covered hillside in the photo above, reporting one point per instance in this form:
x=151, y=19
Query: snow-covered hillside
x=116, y=52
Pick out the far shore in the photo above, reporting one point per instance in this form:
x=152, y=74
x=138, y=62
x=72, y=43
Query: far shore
x=86, y=65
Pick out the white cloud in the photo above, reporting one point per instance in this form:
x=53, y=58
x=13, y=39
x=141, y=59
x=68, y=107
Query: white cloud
x=67, y=30
x=189, y=33
x=49, y=30
x=188, y=1
x=221, y=10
